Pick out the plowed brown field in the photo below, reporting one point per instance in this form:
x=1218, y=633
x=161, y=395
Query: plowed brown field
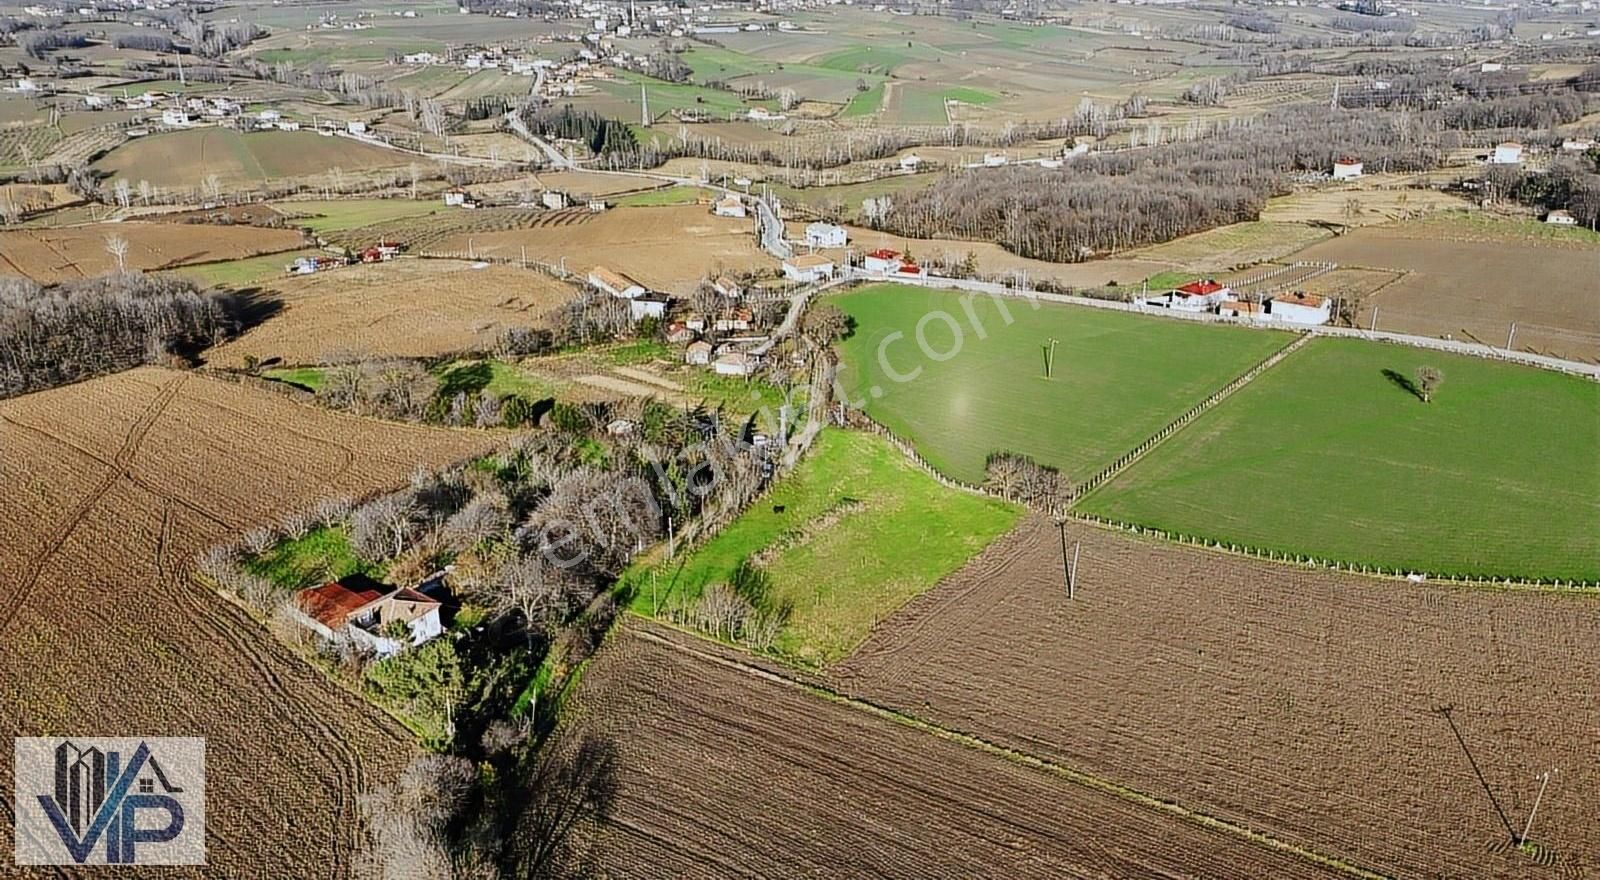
x=51, y=255
x=1303, y=704
x=408, y=308
x=727, y=771
x=108, y=489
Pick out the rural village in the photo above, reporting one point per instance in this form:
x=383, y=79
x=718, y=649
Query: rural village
x=587, y=438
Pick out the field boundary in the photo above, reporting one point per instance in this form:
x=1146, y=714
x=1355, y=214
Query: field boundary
x=1060, y=771
x=1112, y=470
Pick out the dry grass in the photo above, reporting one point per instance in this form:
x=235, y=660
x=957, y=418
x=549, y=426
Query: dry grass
x=61, y=254
x=413, y=308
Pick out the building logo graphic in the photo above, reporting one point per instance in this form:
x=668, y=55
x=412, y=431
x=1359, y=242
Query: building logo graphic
x=110, y=801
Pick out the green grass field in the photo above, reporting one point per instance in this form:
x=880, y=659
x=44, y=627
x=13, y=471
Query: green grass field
x=337, y=216
x=1118, y=377
x=309, y=378
x=864, y=103
x=1326, y=455
x=321, y=556
x=672, y=195
x=243, y=273
x=855, y=508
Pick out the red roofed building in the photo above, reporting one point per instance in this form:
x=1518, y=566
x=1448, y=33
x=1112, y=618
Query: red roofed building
x=1196, y=296
x=910, y=273
x=882, y=261
x=369, y=617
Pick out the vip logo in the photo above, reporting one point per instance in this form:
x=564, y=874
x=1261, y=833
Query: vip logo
x=110, y=801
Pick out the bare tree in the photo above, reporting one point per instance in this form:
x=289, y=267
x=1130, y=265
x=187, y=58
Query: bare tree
x=117, y=246
x=1428, y=379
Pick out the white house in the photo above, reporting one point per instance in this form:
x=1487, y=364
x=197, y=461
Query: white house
x=381, y=619
x=648, y=305
x=910, y=163
x=1301, y=308
x=175, y=117
x=1196, y=296
x=554, y=199
x=615, y=283
x=994, y=160
x=881, y=261
x=808, y=267
x=1577, y=145
x=728, y=206
x=826, y=235
x=1560, y=218
x=697, y=354
x=762, y=114
x=1508, y=153
x=94, y=102
x=1234, y=308
x=288, y=125
x=455, y=198
x=734, y=364
x=419, y=58
x=356, y=127
x=1491, y=67
x=727, y=287
x=1346, y=169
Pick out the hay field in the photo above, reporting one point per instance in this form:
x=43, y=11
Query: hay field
x=668, y=248
x=186, y=158
x=411, y=308
x=1327, y=455
x=1470, y=278
x=61, y=254
x=996, y=260
x=102, y=630
x=1233, y=246
x=1374, y=205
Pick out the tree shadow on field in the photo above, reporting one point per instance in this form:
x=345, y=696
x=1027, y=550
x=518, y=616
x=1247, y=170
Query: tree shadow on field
x=1405, y=384
x=466, y=379
x=251, y=307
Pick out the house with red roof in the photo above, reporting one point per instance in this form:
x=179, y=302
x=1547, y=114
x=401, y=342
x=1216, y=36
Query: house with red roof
x=1196, y=296
x=371, y=616
x=882, y=261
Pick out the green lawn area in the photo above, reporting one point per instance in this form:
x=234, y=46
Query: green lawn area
x=853, y=533
x=1327, y=456
x=242, y=273
x=1118, y=377
x=323, y=555
x=665, y=96
x=309, y=378
x=672, y=195
x=344, y=214
x=864, y=103
x=491, y=377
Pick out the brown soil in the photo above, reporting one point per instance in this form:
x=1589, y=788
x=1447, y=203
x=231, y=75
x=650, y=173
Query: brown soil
x=62, y=254
x=108, y=490
x=1303, y=704
x=728, y=770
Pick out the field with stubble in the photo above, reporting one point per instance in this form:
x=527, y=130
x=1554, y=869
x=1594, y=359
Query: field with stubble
x=108, y=490
x=49, y=256
x=727, y=769
x=1304, y=704
x=408, y=308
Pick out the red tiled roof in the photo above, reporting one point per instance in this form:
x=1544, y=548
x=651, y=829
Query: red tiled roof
x=1299, y=298
x=332, y=603
x=1200, y=288
x=884, y=254
x=909, y=269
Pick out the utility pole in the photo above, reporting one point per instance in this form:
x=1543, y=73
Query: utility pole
x=1512, y=335
x=1374, y=325
x=1050, y=358
x=644, y=106
x=1334, y=104
x=1072, y=573
x=1531, y=813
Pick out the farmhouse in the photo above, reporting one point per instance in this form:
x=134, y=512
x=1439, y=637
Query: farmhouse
x=807, y=267
x=1577, y=145
x=1346, y=169
x=1300, y=308
x=881, y=261
x=615, y=283
x=1509, y=153
x=1234, y=308
x=1196, y=296
x=910, y=163
x=678, y=333
x=734, y=320
x=356, y=127
x=648, y=305
x=1561, y=218
x=456, y=198
x=727, y=287
x=377, y=618
x=697, y=354
x=554, y=199
x=826, y=235
x=728, y=206
x=175, y=117
x=734, y=364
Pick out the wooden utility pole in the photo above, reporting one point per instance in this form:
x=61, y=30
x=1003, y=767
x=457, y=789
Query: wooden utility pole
x=1072, y=573
x=1050, y=358
x=1528, y=826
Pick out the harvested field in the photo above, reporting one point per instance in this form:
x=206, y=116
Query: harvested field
x=724, y=771
x=591, y=183
x=185, y=158
x=411, y=308
x=1228, y=247
x=1333, y=204
x=1302, y=703
x=996, y=260
x=1471, y=279
x=667, y=248
x=99, y=622
x=64, y=253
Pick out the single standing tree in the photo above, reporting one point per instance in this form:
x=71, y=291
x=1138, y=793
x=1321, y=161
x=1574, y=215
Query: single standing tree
x=117, y=246
x=1428, y=380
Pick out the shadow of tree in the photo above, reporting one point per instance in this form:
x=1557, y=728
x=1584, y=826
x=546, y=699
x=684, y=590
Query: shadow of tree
x=465, y=379
x=1405, y=384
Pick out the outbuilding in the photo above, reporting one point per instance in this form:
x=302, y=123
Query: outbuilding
x=615, y=283
x=1301, y=308
x=826, y=235
x=1346, y=169
x=808, y=267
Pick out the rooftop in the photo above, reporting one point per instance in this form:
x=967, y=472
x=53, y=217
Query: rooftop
x=1201, y=288
x=809, y=261
x=332, y=603
x=1300, y=298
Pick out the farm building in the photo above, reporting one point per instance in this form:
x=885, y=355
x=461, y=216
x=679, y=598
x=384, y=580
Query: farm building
x=994, y=160
x=910, y=163
x=1196, y=296
x=807, y=267
x=175, y=117
x=1491, y=67
x=1561, y=218
x=734, y=321
x=1346, y=169
x=1509, y=153
x=369, y=616
x=1234, y=308
x=456, y=198
x=826, y=235
x=1301, y=308
x=734, y=364
x=697, y=354
x=553, y=199
x=597, y=206
x=881, y=261
x=615, y=283
x=356, y=127
x=1577, y=145
x=909, y=273
x=648, y=305
x=678, y=333
x=728, y=206
x=727, y=287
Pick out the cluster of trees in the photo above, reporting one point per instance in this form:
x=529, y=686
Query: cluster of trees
x=54, y=335
x=1113, y=201
x=145, y=41
x=1019, y=478
x=487, y=107
x=603, y=136
x=1255, y=22
x=1523, y=111
x=1570, y=184
x=39, y=44
x=1383, y=24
